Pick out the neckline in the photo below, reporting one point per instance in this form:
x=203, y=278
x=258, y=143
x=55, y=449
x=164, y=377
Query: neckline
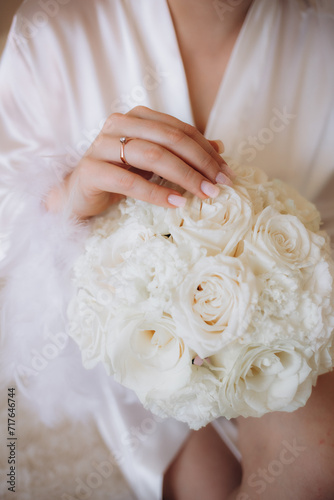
x=228, y=70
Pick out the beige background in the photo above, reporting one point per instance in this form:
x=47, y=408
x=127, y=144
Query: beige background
x=7, y=10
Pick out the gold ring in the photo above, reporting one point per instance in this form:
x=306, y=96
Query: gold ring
x=123, y=141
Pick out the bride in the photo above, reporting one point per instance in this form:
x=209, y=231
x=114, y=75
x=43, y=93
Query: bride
x=173, y=79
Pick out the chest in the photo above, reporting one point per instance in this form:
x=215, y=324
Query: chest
x=205, y=70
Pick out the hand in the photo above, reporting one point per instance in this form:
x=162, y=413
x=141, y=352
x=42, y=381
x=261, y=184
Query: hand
x=162, y=145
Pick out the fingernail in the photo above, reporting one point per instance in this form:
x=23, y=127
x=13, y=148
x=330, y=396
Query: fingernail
x=222, y=179
x=177, y=201
x=228, y=170
x=198, y=361
x=210, y=189
x=221, y=147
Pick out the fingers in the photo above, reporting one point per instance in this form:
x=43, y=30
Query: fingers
x=175, y=140
x=162, y=145
x=150, y=156
x=149, y=114
x=218, y=145
x=118, y=124
x=114, y=179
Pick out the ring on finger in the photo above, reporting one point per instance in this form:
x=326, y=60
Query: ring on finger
x=123, y=141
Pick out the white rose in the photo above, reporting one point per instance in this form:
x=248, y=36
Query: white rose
x=109, y=245
x=119, y=245
x=323, y=360
x=147, y=356
x=255, y=180
x=215, y=224
x=249, y=176
x=320, y=289
x=87, y=323
x=214, y=303
x=289, y=201
x=285, y=239
x=256, y=379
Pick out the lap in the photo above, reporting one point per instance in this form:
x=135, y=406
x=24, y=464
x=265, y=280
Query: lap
x=204, y=468
x=290, y=455
x=285, y=456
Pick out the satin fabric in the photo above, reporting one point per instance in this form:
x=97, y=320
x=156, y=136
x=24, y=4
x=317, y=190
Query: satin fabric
x=65, y=69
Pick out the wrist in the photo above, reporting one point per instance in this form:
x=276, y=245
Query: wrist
x=56, y=200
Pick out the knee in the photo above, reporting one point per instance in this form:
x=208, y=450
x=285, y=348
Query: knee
x=317, y=471
x=296, y=470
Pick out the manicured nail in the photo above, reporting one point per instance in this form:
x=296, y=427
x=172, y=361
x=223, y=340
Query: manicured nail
x=228, y=170
x=198, y=361
x=177, y=201
x=221, y=147
x=222, y=179
x=210, y=189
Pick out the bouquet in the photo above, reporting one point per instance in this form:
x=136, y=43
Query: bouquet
x=222, y=308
